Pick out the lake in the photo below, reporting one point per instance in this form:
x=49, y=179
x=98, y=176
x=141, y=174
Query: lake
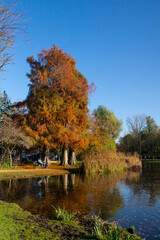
x=129, y=198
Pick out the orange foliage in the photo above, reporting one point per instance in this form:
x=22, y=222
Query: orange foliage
x=57, y=100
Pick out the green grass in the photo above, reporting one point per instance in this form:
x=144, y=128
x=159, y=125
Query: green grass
x=151, y=161
x=17, y=224
x=64, y=215
x=31, y=173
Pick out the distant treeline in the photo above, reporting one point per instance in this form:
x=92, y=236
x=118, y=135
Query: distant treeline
x=143, y=137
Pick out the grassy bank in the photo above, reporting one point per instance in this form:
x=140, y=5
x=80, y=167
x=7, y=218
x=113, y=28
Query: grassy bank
x=31, y=173
x=17, y=224
x=110, y=161
x=27, y=171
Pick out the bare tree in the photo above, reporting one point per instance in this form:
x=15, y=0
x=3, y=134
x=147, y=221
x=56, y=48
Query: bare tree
x=12, y=137
x=136, y=125
x=11, y=22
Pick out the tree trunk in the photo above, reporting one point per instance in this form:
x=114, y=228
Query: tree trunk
x=71, y=178
x=45, y=156
x=64, y=160
x=46, y=160
x=72, y=157
x=10, y=158
x=65, y=182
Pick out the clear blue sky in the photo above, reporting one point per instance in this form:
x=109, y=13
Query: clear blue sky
x=116, y=44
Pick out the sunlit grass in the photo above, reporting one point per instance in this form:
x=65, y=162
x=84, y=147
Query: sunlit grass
x=21, y=173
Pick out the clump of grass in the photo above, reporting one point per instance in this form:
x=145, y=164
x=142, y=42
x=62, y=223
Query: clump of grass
x=98, y=232
x=109, y=161
x=110, y=232
x=64, y=215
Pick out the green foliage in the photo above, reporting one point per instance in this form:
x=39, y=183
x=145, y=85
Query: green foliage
x=5, y=106
x=151, y=126
x=104, y=129
x=109, y=232
x=4, y=163
x=107, y=122
x=98, y=232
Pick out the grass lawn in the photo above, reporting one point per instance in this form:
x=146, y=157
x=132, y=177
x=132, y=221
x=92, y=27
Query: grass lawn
x=26, y=171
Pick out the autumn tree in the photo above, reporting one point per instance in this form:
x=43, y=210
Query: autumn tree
x=11, y=22
x=57, y=102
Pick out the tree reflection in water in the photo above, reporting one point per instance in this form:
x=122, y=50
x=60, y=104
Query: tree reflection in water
x=148, y=183
x=87, y=195
x=130, y=198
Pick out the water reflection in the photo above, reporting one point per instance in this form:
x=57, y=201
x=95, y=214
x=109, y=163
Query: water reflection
x=86, y=195
x=147, y=183
x=131, y=198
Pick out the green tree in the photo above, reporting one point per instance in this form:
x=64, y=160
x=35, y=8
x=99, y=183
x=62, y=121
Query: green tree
x=128, y=144
x=5, y=106
x=105, y=129
x=151, y=126
x=107, y=122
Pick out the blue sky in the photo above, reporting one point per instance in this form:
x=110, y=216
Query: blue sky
x=116, y=44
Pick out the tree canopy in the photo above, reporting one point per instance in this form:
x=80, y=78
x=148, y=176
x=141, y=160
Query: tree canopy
x=105, y=128
x=57, y=101
x=5, y=106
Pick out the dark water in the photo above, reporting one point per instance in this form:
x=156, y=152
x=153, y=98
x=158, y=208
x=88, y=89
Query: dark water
x=129, y=198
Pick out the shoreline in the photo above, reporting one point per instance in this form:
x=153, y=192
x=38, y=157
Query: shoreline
x=24, y=225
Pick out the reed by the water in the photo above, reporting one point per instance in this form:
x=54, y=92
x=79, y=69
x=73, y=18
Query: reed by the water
x=110, y=161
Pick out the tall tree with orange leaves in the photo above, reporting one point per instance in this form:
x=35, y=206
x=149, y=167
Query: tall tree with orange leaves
x=57, y=102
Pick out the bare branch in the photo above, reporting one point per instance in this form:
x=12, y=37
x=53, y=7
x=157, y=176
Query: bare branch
x=12, y=136
x=11, y=23
x=136, y=124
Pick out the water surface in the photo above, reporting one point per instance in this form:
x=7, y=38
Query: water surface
x=129, y=198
